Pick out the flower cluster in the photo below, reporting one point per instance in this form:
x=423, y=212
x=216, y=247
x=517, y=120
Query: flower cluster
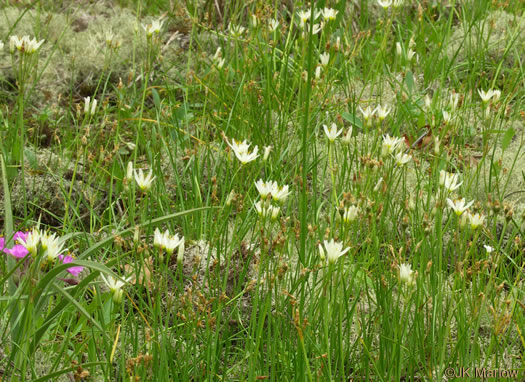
x=36, y=243
x=270, y=190
x=381, y=111
x=24, y=44
x=241, y=151
x=153, y=28
x=168, y=242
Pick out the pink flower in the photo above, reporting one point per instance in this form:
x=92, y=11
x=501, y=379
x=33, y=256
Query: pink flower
x=20, y=236
x=18, y=251
x=75, y=271
x=2, y=243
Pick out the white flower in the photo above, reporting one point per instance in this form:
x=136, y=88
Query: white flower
x=31, y=241
x=497, y=95
x=405, y=273
x=367, y=113
x=274, y=211
x=264, y=188
x=217, y=59
x=112, y=283
x=350, y=214
x=318, y=72
x=115, y=286
x=271, y=188
x=266, y=211
x=109, y=38
x=338, y=43
x=402, y=159
x=382, y=112
x=454, y=100
x=255, y=21
x=261, y=210
x=459, y=206
x=377, y=187
x=90, y=106
x=273, y=25
x=154, y=27
x=446, y=117
x=129, y=171
x=229, y=198
x=486, y=96
x=54, y=248
x=390, y=144
x=33, y=45
x=385, y=4
x=218, y=54
x=280, y=193
x=449, y=181
x=24, y=44
x=304, y=16
x=266, y=154
x=111, y=41
x=332, y=250
x=399, y=49
x=240, y=150
x=236, y=30
x=348, y=136
x=144, y=182
x=220, y=63
x=47, y=240
x=158, y=238
x=180, y=253
x=410, y=54
x=488, y=248
x=476, y=220
x=317, y=28
x=332, y=133
x=14, y=43
x=171, y=242
x=329, y=14
x=324, y=58
x=428, y=101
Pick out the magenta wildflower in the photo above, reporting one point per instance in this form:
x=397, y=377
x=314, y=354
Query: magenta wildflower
x=2, y=243
x=18, y=251
x=20, y=235
x=75, y=271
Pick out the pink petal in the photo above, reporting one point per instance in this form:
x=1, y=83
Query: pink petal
x=75, y=271
x=18, y=251
x=20, y=236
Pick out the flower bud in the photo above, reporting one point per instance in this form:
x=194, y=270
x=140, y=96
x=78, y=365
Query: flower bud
x=180, y=252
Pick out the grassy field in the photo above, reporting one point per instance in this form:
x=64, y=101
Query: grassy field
x=211, y=190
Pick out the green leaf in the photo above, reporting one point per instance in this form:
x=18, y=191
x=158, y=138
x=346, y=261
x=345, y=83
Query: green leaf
x=350, y=117
x=156, y=98
x=30, y=156
x=409, y=80
x=8, y=222
x=507, y=138
x=51, y=276
x=51, y=317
